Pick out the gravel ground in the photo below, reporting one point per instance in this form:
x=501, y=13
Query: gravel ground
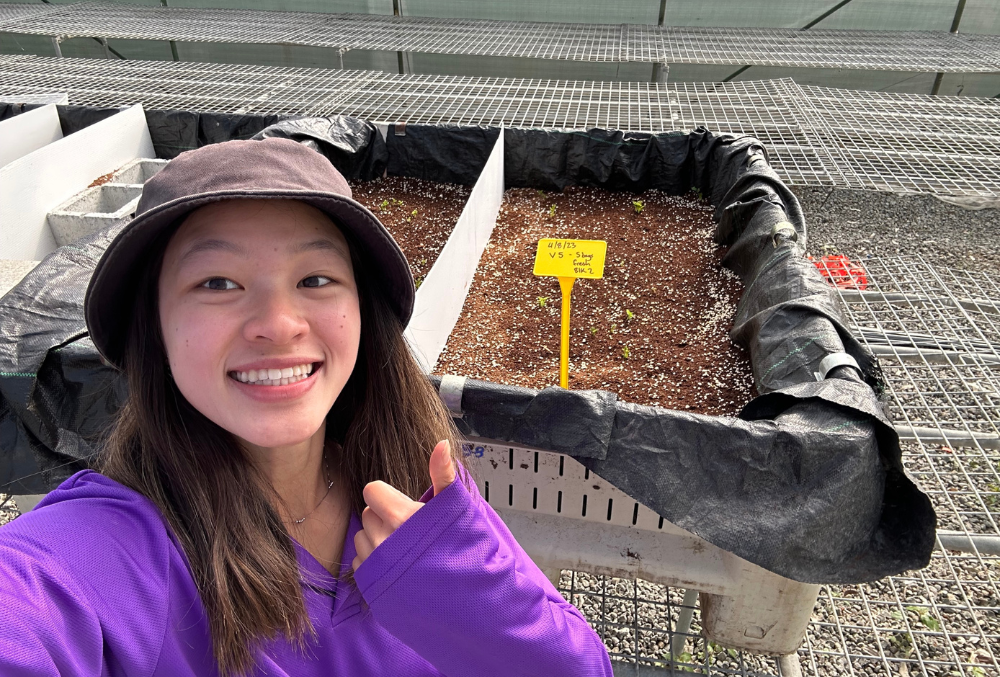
x=8, y=509
x=868, y=223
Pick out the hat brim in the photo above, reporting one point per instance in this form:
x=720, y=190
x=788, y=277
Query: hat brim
x=111, y=293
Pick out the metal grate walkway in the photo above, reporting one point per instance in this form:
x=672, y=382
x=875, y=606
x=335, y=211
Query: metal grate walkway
x=816, y=136
x=878, y=50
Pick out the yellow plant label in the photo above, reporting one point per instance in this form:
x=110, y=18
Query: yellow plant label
x=571, y=258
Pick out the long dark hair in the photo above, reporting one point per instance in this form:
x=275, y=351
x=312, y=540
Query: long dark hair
x=221, y=508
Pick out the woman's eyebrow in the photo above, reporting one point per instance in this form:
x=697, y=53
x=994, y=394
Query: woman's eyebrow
x=209, y=245
x=322, y=244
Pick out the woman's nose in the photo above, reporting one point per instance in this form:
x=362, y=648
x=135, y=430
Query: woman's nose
x=276, y=319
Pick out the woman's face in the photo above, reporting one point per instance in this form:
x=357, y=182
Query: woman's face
x=260, y=317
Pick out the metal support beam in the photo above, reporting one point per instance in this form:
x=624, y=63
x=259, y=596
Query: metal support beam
x=809, y=25
x=959, y=10
x=397, y=10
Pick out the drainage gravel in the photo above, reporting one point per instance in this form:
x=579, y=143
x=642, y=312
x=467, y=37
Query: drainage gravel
x=862, y=223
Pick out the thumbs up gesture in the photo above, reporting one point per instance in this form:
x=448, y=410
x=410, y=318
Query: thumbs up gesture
x=388, y=507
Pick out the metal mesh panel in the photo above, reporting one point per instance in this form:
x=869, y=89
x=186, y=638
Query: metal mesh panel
x=880, y=50
x=814, y=135
x=907, y=142
x=15, y=13
x=866, y=50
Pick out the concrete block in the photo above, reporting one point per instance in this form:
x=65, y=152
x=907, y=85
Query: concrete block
x=138, y=171
x=93, y=210
x=35, y=184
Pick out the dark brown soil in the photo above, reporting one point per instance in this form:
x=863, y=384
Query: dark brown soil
x=103, y=179
x=654, y=330
x=419, y=214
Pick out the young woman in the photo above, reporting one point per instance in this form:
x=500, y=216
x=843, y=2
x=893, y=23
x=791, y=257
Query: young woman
x=258, y=508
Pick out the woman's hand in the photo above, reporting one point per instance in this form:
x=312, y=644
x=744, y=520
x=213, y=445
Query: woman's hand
x=388, y=507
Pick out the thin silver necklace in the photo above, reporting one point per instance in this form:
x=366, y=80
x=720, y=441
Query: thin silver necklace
x=329, y=485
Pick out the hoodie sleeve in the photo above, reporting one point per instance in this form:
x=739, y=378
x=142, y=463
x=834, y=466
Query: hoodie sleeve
x=454, y=585
x=47, y=627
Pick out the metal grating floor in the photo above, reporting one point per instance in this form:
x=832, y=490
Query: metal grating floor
x=879, y=50
x=937, y=333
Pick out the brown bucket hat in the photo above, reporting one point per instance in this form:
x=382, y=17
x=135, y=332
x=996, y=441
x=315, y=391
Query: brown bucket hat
x=267, y=169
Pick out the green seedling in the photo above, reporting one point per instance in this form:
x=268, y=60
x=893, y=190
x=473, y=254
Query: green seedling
x=614, y=327
x=383, y=204
x=626, y=353
x=540, y=193
x=552, y=210
x=902, y=642
x=697, y=193
x=542, y=301
x=422, y=262
x=629, y=315
x=638, y=206
x=419, y=281
x=413, y=213
x=593, y=331
x=681, y=659
x=928, y=621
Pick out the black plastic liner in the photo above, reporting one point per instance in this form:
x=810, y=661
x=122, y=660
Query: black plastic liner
x=807, y=482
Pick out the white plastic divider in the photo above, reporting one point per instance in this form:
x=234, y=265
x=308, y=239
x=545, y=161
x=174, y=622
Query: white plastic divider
x=441, y=296
x=28, y=132
x=31, y=186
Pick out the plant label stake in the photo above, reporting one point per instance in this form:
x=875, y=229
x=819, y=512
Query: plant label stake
x=568, y=260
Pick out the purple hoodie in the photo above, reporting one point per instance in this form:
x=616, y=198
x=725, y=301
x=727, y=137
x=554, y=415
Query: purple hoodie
x=93, y=582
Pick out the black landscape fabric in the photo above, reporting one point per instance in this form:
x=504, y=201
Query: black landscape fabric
x=807, y=482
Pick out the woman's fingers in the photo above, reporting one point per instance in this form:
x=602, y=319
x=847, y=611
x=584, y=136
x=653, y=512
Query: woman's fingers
x=442, y=468
x=390, y=504
x=364, y=547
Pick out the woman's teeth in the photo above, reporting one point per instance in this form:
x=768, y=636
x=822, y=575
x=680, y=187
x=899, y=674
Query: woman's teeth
x=273, y=377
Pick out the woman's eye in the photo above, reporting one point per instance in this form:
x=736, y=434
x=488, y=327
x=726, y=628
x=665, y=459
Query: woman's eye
x=219, y=284
x=315, y=281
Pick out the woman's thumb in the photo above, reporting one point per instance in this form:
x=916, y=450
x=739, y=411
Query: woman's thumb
x=442, y=467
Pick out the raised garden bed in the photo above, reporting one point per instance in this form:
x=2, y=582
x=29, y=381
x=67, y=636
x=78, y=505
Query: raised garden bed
x=654, y=330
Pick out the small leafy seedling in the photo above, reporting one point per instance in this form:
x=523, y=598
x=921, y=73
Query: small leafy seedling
x=902, y=642
x=614, y=327
x=928, y=621
x=638, y=206
x=540, y=193
x=552, y=210
x=697, y=193
x=542, y=301
x=593, y=331
x=419, y=281
x=413, y=213
x=383, y=204
x=629, y=315
x=626, y=352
